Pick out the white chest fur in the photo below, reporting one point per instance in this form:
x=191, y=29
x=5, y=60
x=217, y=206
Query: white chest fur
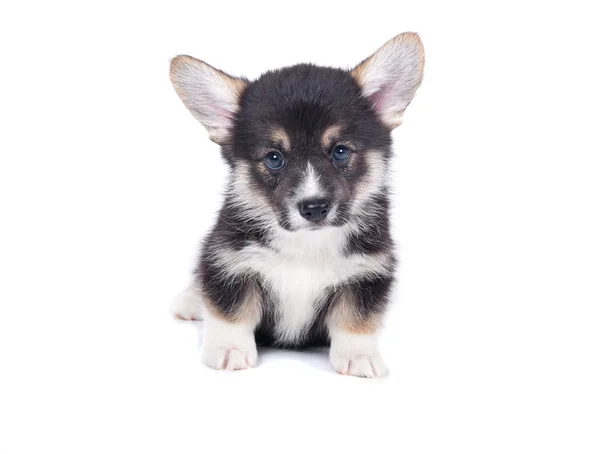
x=298, y=268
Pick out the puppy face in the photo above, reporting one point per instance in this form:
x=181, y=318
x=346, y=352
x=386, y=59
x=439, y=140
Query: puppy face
x=307, y=138
x=309, y=146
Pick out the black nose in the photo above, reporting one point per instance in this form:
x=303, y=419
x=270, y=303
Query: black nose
x=314, y=210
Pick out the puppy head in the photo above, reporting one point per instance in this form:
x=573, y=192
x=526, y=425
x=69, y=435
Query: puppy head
x=308, y=145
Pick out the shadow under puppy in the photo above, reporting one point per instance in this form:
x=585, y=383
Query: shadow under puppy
x=301, y=253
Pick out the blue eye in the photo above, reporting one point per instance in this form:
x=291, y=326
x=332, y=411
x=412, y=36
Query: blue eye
x=274, y=160
x=340, y=153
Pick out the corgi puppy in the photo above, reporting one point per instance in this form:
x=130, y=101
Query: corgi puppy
x=301, y=253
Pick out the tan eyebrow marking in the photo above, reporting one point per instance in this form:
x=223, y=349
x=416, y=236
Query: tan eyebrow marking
x=330, y=135
x=278, y=135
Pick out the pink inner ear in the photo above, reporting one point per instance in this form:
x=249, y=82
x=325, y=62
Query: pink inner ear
x=379, y=97
x=219, y=111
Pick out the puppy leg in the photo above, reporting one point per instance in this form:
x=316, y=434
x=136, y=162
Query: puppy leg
x=188, y=304
x=353, y=324
x=228, y=345
x=229, y=324
x=356, y=354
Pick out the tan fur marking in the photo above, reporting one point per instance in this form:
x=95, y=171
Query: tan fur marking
x=263, y=170
x=345, y=316
x=330, y=135
x=249, y=311
x=279, y=136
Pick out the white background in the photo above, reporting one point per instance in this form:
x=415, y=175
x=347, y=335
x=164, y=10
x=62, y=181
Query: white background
x=107, y=184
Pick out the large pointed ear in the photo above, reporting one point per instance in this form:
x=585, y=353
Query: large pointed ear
x=212, y=96
x=390, y=77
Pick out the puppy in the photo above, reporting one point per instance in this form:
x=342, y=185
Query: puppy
x=301, y=253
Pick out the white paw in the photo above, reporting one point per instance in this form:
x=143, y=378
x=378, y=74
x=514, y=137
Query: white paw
x=369, y=366
x=188, y=304
x=356, y=354
x=228, y=345
x=230, y=358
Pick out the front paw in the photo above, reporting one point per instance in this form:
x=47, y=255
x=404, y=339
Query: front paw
x=230, y=358
x=368, y=366
x=228, y=345
x=356, y=354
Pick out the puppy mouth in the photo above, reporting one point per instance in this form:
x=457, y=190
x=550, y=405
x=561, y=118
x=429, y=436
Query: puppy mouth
x=318, y=225
x=305, y=226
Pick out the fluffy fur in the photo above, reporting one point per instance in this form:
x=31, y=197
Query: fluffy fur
x=268, y=274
